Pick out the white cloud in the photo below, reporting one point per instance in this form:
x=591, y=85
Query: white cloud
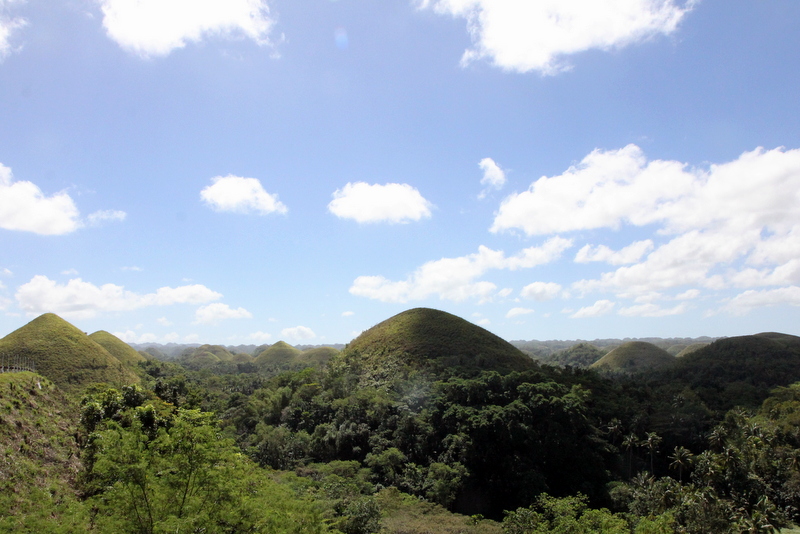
x=240, y=195
x=70, y=272
x=483, y=322
x=6, y=272
x=129, y=336
x=79, y=299
x=348, y=314
x=747, y=301
x=163, y=321
x=217, y=311
x=8, y=26
x=172, y=337
x=689, y=294
x=260, y=336
x=537, y=35
x=132, y=268
x=630, y=254
x=455, y=278
x=298, y=332
x=157, y=27
x=99, y=217
x=493, y=176
x=599, y=308
x=392, y=203
x=516, y=312
x=191, y=338
x=652, y=310
x=24, y=207
x=731, y=224
x=541, y=290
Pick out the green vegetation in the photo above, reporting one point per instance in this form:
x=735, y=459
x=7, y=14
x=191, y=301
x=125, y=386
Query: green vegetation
x=118, y=348
x=632, y=357
x=65, y=355
x=580, y=355
x=426, y=339
x=408, y=430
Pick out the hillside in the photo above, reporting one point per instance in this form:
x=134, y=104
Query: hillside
x=423, y=338
x=129, y=356
x=737, y=370
x=634, y=356
x=65, y=355
x=317, y=355
x=580, y=355
x=281, y=353
x=40, y=462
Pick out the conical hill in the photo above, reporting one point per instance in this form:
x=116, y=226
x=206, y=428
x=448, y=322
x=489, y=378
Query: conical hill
x=65, y=355
x=317, y=355
x=632, y=357
x=423, y=338
x=118, y=348
x=281, y=353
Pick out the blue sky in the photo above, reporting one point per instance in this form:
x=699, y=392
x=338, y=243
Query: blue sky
x=245, y=171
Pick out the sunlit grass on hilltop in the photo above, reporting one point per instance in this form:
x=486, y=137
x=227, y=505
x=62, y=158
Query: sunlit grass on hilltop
x=65, y=354
x=634, y=356
x=423, y=337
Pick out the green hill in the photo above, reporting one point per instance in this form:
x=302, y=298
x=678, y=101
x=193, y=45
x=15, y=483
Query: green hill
x=427, y=339
x=632, y=357
x=40, y=461
x=317, y=356
x=281, y=353
x=737, y=370
x=118, y=348
x=580, y=355
x=694, y=347
x=65, y=355
x=205, y=355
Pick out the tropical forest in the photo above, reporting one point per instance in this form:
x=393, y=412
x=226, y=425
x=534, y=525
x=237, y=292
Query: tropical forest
x=424, y=423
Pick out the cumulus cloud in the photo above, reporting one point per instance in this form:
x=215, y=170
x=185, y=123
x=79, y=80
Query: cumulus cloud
x=78, y=299
x=298, y=332
x=348, y=314
x=23, y=206
x=538, y=36
x=456, y=278
x=260, y=336
x=599, y=308
x=541, y=291
x=372, y=203
x=751, y=299
x=728, y=225
x=516, y=312
x=240, y=195
x=216, y=312
x=8, y=27
x=493, y=176
x=157, y=27
x=163, y=321
x=630, y=254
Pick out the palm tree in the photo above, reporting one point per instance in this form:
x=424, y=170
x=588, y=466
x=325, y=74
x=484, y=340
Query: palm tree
x=629, y=442
x=681, y=459
x=652, y=441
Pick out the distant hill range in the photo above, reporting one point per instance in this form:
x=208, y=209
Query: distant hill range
x=431, y=340
x=69, y=357
x=173, y=351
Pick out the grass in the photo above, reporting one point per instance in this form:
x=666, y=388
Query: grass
x=281, y=353
x=65, y=355
x=421, y=337
x=118, y=348
x=634, y=356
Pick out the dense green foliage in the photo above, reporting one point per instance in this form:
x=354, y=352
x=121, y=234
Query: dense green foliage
x=399, y=437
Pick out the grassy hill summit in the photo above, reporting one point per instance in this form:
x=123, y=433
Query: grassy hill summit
x=281, y=353
x=424, y=338
x=317, y=356
x=634, y=356
x=65, y=355
x=118, y=348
